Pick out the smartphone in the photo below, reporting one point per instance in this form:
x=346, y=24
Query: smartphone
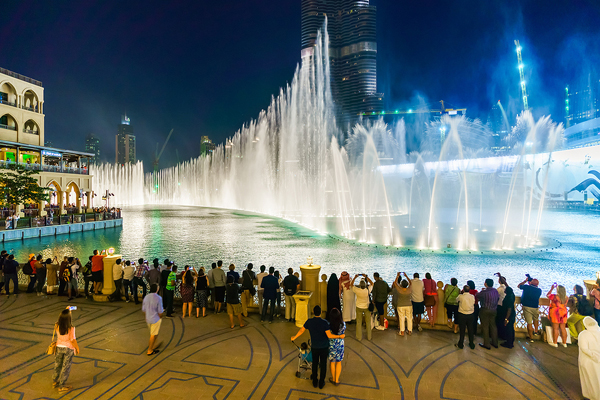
x=72, y=308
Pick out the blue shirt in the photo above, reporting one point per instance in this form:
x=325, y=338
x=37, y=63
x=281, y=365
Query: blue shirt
x=531, y=296
x=270, y=284
x=152, y=306
x=236, y=276
x=317, y=327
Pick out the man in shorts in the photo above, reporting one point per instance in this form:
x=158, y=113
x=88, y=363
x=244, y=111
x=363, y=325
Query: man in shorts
x=233, y=301
x=530, y=300
x=98, y=271
x=417, y=299
x=152, y=307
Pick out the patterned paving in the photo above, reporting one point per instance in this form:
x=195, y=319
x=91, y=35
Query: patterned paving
x=204, y=358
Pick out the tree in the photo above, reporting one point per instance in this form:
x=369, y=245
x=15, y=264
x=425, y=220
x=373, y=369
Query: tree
x=18, y=186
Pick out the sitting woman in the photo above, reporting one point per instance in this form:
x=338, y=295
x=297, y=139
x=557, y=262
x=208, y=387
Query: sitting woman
x=558, y=314
x=580, y=308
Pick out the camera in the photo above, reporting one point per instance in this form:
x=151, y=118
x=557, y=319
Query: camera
x=529, y=278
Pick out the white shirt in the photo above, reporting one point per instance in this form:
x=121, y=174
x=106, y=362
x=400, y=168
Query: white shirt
x=501, y=294
x=259, y=278
x=466, y=303
x=362, y=296
x=128, y=272
x=117, y=271
x=74, y=269
x=417, y=290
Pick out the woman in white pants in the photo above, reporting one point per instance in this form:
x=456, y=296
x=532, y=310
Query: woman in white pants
x=404, y=303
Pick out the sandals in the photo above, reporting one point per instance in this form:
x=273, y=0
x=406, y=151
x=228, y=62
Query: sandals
x=65, y=388
x=155, y=351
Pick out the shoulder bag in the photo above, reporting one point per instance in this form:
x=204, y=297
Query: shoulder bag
x=251, y=289
x=52, y=347
x=371, y=304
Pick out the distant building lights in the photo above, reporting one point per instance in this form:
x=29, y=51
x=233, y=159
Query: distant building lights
x=396, y=111
x=520, y=66
x=519, y=48
x=410, y=110
x=522, y=82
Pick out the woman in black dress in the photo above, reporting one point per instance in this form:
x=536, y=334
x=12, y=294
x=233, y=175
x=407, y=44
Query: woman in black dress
x=187, y=291
x=201, y=293
x=333, y=294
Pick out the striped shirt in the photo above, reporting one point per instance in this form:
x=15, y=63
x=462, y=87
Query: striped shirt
x=488, y=298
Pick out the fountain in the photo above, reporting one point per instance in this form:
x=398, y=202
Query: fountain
x=289, y=163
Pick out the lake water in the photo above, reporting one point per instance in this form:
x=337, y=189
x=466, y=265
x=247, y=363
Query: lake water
x=199, y=236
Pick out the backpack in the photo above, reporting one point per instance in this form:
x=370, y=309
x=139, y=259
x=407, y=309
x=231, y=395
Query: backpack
x=67, y=274
x=583, y=306
x=27, y=269
x=87, y=269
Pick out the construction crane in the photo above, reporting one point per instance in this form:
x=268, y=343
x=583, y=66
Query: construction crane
x=157, y=154
x=523, y=86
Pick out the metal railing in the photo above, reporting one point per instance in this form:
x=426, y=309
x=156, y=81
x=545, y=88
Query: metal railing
x=8, y=103
x=32, y=132
x=10, y=128
x=21, y=77
x=35, y=221
x=46, y=167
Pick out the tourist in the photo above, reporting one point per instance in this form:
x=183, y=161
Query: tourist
x=233, y=301
x=336, y=346
x=278, y=296
x=580, y=308
x=40, y=269
x=231, y=272
x=187, y=291
x=117, y=274
x=451, y=292
x=141, y=271
x=269, y=285
x=209, y=275
x=9, y=268
x=66, y=348
x=530, y=300
x=380, y=296
x=248, y=289
x=348, y=298
x=291, y=285
x=51, y=275
x=74, y=266
x=558, y=314
x=488, y=299
x=259, y=278
x=62, y=285
x=170, y=290
x=589, y=359
x=362, y=292
x=128, y=274
x=154, y=274
x=320, y=334
x=403, y=294
x=3, y=256
x=510, y=315
x=595, y=294
x=165, y=271
x=86, y=271
x=500, y=311
x=466, y=314
x=152, y=307
x=202, y=285
x=431, y=298
x=98, y=270
x=29, y=270
x=220, y=279
x=333, y=294
x=417, y=298
x=474, y=292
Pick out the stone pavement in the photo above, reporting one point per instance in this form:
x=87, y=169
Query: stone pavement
x=204, y=358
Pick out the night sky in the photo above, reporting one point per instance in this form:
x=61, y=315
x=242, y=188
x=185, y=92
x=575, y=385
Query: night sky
x=205, y=68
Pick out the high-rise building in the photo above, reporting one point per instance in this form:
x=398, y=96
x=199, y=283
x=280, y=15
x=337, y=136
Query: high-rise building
x=498, y=125
x=582, y=100
x=352, y=53
x=125, y=142
x=206, y=146
x=92, y=145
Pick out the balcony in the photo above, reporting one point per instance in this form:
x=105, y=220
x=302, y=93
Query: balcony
x=10, y=128
x=47, y=168
x=8, y=103
x=31, y=132
x=34, y=109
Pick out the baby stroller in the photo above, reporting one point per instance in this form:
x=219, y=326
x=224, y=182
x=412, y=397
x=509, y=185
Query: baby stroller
x=304, y=360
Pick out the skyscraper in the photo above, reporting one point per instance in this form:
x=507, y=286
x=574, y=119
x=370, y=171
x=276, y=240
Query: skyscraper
x=206, y=146
x=582, y=100
x=352, y=53
x=125, y=142
x=92, y=145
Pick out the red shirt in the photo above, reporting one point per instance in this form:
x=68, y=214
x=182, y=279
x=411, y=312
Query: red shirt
x=97, y=263
x=430, y=286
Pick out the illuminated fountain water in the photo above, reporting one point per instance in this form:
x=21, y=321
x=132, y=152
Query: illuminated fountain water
x=289, y=163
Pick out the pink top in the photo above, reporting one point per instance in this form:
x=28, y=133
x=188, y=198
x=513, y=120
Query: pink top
x=430, y=286
x=65, y=340
x=596, y=296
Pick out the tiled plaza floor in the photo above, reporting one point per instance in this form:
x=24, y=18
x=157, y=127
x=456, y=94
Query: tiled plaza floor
x=204, y=358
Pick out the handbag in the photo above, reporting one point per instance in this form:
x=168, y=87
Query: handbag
x=446, y=301
x=52, y=348
x=429, y=300
x=251, y=289
x=371, y=304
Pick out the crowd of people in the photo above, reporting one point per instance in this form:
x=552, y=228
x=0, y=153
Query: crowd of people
x=346, y=300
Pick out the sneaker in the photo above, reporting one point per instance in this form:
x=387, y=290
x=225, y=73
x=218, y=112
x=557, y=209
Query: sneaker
x=564, y=345
x=127, y=301
x=553, y=344
x=380, y=328
x=419, y=328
